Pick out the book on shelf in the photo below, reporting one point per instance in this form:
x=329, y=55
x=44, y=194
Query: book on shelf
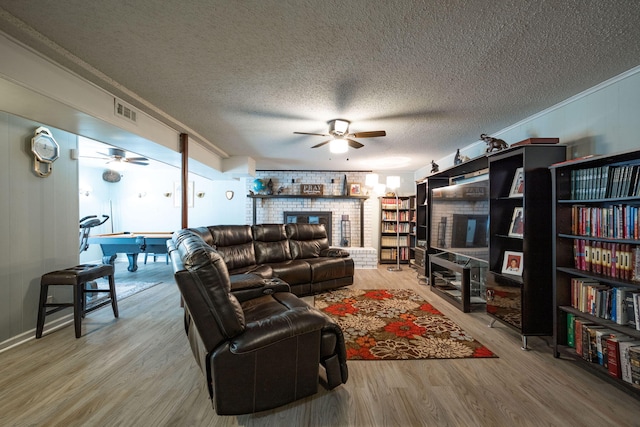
x=580, y=325
x=634, y=364
x=611, y=259
x=601, y=345
x=625, y=362
x=613, y=354
x=605, y=182
x=589, y=344
x=571, y=330
x=619, y=221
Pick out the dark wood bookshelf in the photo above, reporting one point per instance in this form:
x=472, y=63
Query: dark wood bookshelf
x=564, y=258
x=522, y=302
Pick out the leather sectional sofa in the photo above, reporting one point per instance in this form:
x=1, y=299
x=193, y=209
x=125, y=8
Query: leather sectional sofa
x=258, y=345
x=299, y=254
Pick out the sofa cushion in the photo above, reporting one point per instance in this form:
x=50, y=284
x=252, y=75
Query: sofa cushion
x=293, y=272
x=306, y=240
x=330, y=268
x=234, y=243
x=270, y=243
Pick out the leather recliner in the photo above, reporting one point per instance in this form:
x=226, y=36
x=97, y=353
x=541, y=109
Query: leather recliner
x=267, y=350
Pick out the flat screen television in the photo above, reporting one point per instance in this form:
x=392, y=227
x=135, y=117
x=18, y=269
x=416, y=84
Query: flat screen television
x=459, y=221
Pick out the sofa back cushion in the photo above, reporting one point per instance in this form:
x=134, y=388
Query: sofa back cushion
x=270, y=243
x=306, y=240
x=234, y=243
x=205, y=286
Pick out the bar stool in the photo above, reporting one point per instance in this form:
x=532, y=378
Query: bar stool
x=78, y=277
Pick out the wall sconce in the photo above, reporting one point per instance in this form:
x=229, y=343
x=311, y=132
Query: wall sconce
x=228, y=194
x=200, y=195
x=86, y=191
x=142, y=194
x=167, y=194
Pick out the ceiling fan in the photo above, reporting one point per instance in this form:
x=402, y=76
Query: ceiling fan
x=341, y=138
x=118, y=155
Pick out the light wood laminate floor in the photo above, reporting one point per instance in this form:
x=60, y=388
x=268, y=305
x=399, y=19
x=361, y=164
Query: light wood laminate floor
x=138, y=371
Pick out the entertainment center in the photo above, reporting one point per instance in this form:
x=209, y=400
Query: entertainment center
x=486, y=228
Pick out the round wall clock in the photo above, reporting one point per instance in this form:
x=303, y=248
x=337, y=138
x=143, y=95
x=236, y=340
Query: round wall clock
x=45, y=151
x=110, y=175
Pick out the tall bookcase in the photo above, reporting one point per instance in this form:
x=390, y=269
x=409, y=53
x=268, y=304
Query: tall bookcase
x=596, y=255
x=404, y=211
x=520, y=217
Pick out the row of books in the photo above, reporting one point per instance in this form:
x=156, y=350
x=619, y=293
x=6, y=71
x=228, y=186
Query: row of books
x=402, y=216
x=390, y=254
x=390, y=203
x=618, y=353
x=390, y=227
x=616, y=260
x=619, y=304
x=605, y=182
x=393, y=241
x=615, y=221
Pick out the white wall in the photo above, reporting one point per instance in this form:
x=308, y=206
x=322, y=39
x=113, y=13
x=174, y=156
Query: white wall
x=38, y=223
x=602, y=120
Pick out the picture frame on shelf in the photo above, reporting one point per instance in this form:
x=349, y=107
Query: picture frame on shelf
x=517, y=186
x=513, y=263
x=355, y=189
x=516, y=229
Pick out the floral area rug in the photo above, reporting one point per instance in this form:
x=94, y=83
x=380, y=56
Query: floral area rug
x=396, y=324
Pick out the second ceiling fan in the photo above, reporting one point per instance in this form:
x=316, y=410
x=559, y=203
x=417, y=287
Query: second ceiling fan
x=339, y=132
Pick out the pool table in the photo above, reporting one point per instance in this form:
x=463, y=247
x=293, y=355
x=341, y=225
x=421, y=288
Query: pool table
x=130, y=243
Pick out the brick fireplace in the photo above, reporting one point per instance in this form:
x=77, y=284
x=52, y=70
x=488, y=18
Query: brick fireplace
x=271, y=211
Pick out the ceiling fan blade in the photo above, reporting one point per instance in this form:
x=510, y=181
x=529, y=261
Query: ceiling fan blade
x=371, y=134
x=137, y=159
x=138, y=162
x=104, y=154
x=321, y=144
x=316, y=134
x=354, y=144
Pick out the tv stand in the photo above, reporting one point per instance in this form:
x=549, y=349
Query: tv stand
x=459, y=279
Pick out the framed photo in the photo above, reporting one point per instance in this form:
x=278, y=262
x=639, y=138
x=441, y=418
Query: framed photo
x=355, y=189
x=516, y=229
x=513, y=263
x=517, y=186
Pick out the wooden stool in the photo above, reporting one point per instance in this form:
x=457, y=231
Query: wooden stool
x=77, y=277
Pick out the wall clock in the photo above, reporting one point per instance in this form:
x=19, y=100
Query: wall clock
x=110, y=175
x=45, y=151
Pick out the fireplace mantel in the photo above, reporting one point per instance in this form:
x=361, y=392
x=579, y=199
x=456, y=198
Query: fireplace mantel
x=361, y=199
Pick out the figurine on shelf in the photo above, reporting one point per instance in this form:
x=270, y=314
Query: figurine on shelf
x=493, y=143
x=270, y=187
x=280, y=190
x=434, y=167
x=457, y=159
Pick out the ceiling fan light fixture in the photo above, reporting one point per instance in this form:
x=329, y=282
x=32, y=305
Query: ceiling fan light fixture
x=338, y=127
x=338, y=146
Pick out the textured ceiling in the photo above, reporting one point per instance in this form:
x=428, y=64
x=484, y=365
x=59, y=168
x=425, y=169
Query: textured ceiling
x=244, y=75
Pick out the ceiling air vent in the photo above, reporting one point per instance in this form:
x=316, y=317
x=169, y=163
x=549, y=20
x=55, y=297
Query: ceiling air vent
x=125, y=111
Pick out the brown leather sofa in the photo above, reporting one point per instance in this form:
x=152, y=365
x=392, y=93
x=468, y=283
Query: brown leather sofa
x=299, y=254
x=267, y=348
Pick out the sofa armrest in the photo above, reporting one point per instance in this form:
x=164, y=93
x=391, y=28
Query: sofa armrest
x=334, y=252
x=249, y=286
